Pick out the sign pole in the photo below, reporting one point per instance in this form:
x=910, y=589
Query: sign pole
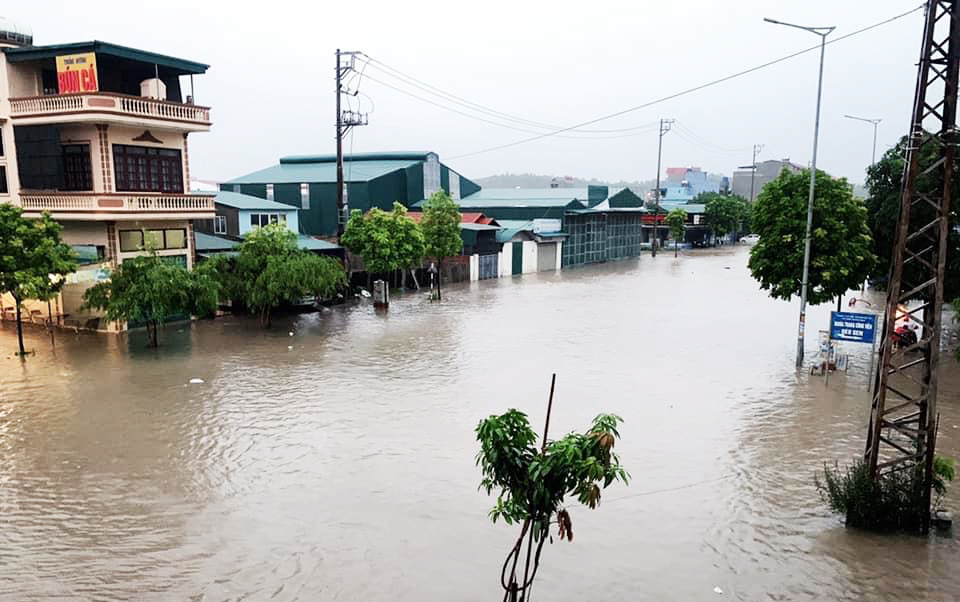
x=873, y=361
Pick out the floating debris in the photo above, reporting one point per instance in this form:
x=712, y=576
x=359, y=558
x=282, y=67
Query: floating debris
x=196, y=381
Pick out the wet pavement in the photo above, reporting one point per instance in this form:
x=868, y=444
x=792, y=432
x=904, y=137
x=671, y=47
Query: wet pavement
x=338, y=463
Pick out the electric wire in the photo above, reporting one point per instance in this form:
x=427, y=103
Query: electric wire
x=410, y=80
x=688, y=90
x=639, y=130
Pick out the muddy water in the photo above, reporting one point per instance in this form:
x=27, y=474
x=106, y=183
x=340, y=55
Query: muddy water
x=342, y=468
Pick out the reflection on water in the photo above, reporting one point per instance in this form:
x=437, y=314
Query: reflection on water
x=342, y=469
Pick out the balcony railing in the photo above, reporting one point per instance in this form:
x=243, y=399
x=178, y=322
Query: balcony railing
x=83, y=202
x=105, y=102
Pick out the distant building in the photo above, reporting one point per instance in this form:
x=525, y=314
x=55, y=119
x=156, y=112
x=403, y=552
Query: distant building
x=766, y=172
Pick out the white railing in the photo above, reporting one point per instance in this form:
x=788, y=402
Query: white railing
x=104, y=102
x=91, y=201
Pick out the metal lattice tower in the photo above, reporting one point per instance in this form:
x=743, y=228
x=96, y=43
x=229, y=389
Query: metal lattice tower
x=903, y=416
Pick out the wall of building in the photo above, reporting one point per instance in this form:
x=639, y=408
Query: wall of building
x=8, y=158
x=84, y=233
x=529, y=256
x=506, y=260
x=244, y=219
x=189, y=251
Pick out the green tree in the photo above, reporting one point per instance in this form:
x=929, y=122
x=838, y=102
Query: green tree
x=150, y=289
x=885, y=182
x=723, y=213
x=33, y=259
x=532, y=484
x=441, y=229
x=270, y=269
x=840, y=245
x=675, y=221
x=387, y=241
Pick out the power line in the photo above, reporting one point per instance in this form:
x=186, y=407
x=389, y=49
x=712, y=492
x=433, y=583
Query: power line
x=687, y=91
x=435, y=91
x=637, y=130
x=690, y=136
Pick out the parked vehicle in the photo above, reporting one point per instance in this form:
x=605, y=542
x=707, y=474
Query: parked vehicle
x=904, y=337
x=750, y=239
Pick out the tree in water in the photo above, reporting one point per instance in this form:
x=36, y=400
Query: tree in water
x=386, y=241
x=841, y=255
x=151, y=289
x=533, y=484
x=675, y=221
x=723, y=213
x=33, y=259
x=441, y=229
x=270, y=269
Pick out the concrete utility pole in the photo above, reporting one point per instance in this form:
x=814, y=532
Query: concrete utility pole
x=874, y=122
x=823, y=32
x=664, y=128
x=345, y=120
x=902, y=435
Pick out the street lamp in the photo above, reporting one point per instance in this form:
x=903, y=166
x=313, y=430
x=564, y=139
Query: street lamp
x=823, y=32
x=873, y=157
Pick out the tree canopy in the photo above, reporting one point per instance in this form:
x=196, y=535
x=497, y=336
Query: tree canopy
x=675, y=221
x=387, y=241
x=441, y=226
x=885, y=181
x=724, y=213
x=270, y=269
x=33, y=259
x=840, y=246
x=151, y=289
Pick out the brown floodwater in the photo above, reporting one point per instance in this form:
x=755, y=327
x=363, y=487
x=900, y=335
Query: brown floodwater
x=337, y=463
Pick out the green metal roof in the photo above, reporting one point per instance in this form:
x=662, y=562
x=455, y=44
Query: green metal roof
x=319, y=172
x=512, y=227
x=209, y=242
x=308, y=243
x=521, y=197
x=688, y=207
x=33, y=53
x=625, y=198
x=247, y=201
x=385, y=156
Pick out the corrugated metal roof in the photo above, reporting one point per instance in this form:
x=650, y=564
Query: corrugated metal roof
x=247, y=201
x=295, y=173
x=308, y=243
x=210, y=242
x=523, y=197
x=31, y=53
x=478, y=227
x=357, y=157
x=512, y=227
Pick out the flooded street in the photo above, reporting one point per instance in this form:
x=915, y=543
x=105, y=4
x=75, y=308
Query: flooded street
x=343, y=468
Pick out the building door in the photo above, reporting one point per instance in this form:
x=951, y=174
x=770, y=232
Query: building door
x=488, y=267
x=517, y=255
x=546, y=257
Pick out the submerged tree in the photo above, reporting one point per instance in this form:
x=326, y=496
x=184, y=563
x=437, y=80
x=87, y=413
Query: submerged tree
x=840, y=244
x=150, y=289
x=723, y=213
x=675, y=221
x=33, y=259
x=270, y=269
x=387, y=241
x=532, y=484
x=441, y=229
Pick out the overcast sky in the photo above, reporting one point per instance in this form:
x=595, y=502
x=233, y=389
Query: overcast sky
x=558, y=63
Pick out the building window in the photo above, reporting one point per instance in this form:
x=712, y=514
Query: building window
x=220, y=224
x=143, y=169
x=77, y=173
x=236, y=188
x=269, y=192
x=262, y=219
x=304, y=196
x=159, y=240
x=1, y=141
x=3, y=179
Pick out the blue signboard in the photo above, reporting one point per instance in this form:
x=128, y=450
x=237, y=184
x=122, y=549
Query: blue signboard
x=849, y=326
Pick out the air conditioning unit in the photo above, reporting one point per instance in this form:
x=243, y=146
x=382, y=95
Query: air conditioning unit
x=153, y=88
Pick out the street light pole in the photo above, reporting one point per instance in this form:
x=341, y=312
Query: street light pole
x=823, y=32
x=873, y=122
